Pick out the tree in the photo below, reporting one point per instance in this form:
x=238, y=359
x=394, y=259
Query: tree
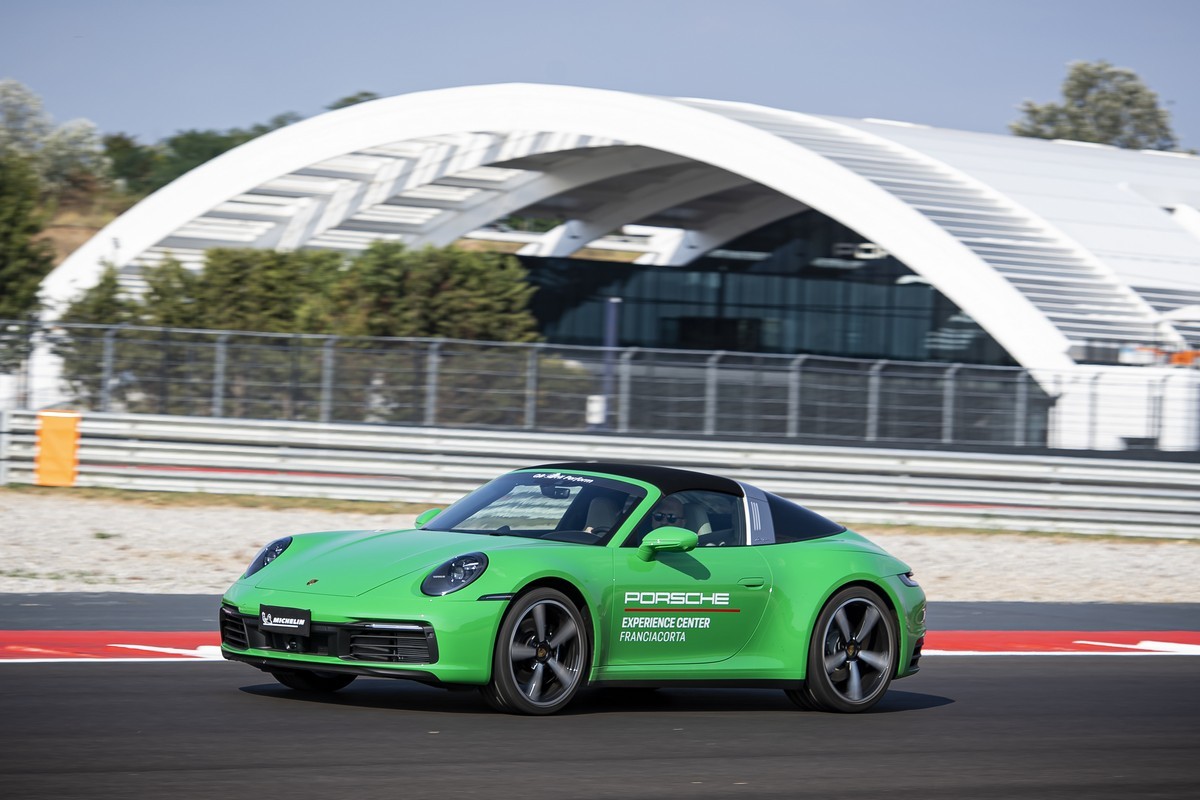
x=170, y=298
x=163, y=369
x=24, y=124
x=24, y=259
x=1103, y=104
x=447, y=293
x=68, y=160
x=391, y=290
x=83, y=349
x=103, y=304
x=442, y=293
x=133, y=164
x=188, y=149
x=74, y=165
x=352, y=100
x=263, y=290
x=388, y=291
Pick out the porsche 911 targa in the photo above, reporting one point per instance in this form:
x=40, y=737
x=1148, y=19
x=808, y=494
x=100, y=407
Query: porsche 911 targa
x=556, y=577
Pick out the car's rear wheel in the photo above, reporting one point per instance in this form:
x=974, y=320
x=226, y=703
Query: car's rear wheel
x=304, y=680
x=541, y=655
x=852, y=654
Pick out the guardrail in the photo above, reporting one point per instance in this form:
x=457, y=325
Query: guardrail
x=436, y=466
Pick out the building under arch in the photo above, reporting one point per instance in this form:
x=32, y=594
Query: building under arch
x=723, y=225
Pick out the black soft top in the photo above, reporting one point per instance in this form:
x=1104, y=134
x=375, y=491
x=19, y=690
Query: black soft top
x=668, y=479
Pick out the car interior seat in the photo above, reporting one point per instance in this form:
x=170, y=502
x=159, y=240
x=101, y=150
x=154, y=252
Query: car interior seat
x=601, y=515
x=696, y=517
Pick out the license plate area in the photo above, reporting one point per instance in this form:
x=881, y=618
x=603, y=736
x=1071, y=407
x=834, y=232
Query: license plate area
x=282, y=619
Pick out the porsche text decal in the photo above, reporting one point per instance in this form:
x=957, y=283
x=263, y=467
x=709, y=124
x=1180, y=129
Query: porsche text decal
x=676, y=599
x=663, y=616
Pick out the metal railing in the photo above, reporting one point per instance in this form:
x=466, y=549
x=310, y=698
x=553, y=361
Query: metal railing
x=435, y=466
x=543, y=387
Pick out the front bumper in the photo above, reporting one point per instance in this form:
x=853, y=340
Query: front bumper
x=447, y=642
x=910, y=603
x=378, y=642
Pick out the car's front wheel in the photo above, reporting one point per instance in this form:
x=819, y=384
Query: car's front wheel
x=303, y=680
x=852, y=654
x=541, y=655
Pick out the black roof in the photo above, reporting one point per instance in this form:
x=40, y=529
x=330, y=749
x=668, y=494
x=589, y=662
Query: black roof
x=668, y=479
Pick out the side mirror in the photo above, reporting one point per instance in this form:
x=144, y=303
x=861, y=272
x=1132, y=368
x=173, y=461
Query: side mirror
x=426, y=516
x=667, y=540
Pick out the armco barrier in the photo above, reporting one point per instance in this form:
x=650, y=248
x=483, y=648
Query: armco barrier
x=436, y=466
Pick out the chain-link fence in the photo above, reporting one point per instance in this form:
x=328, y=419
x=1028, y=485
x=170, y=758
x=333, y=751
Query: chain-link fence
x=438, y=382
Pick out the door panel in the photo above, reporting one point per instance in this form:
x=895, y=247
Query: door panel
x=686, y=608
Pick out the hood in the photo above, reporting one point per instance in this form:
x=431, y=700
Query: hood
x=350, y=563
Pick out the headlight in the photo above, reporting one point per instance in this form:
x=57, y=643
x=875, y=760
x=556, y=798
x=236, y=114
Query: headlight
x=908, y=580
x=267, y=555
x=454, y=574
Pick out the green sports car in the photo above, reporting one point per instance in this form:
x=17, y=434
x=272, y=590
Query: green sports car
x=563, y=575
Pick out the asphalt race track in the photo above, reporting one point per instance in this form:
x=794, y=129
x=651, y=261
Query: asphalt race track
x=1078, y=726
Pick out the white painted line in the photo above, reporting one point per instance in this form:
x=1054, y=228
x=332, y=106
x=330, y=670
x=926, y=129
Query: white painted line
x=1053, y=653
x=208, y=651
x=163, y=660
x=1157, y=647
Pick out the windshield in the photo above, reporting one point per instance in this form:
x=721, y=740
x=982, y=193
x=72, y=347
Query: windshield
x=558, y=506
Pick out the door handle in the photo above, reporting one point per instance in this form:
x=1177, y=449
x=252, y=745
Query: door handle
x=753, y=583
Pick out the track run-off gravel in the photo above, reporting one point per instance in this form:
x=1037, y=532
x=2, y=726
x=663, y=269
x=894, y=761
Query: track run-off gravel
x=58, y=542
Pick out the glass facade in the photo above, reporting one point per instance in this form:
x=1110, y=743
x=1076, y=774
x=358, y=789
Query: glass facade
x=804, y=284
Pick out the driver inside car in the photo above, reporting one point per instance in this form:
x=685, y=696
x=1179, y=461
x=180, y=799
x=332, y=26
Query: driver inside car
x=669, y=511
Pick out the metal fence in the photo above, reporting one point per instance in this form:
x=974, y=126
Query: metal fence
x=543, y=387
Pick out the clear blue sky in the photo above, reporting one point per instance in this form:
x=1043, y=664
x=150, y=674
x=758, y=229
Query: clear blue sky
x=153, y=67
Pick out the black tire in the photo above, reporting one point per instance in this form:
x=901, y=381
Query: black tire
x=541, y=655
x=852, y=654
x=303, y=680
x=802, y=698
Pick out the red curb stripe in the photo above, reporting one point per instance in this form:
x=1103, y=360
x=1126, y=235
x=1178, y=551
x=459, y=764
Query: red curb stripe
x=1057, y=641
x=683, y=610
x=101, y=644
x=118, y=645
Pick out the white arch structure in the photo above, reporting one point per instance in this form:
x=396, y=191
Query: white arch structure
x=431, y=167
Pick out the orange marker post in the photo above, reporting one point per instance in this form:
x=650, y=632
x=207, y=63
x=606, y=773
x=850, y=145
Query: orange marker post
x=57, y=459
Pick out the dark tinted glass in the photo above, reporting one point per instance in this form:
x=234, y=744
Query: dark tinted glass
x=795, y=523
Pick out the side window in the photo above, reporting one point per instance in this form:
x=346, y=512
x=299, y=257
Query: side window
x=795, y=523
x=716, y=518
